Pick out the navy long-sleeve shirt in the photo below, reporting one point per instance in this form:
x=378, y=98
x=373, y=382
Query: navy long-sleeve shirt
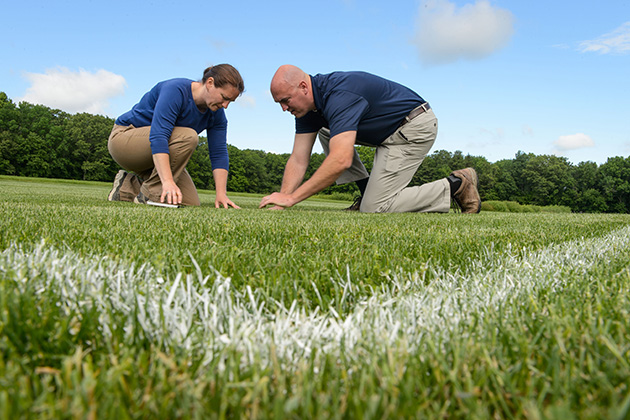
x=170, y=104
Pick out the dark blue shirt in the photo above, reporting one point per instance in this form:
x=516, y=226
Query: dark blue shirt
x=170, y=104
x=357, y=101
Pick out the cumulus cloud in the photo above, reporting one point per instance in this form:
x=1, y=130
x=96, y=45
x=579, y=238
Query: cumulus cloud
x=573, y=142
x=73, y=91
x=446, y=32
x=615, y=42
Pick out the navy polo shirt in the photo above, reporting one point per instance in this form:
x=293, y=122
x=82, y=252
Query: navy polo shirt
x=357, y=101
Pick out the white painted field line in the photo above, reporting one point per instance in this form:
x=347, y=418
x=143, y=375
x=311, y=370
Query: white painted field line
x=206, y=312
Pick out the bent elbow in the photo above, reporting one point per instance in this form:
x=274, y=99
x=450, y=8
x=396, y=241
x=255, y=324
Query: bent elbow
x=345, y=162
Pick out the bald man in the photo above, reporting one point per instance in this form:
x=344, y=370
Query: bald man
x=348, y=108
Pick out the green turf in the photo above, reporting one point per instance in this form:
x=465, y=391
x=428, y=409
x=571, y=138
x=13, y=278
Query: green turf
x=115, y=309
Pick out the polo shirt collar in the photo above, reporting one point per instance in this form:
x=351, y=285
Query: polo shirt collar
x=317, y=96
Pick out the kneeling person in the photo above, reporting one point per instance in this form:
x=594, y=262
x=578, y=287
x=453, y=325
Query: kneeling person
x=348, y=108
x=157, y=138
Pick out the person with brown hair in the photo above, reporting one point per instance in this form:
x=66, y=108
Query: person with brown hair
x=157, y=137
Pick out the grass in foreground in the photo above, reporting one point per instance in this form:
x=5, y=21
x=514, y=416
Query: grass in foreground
x=115, y=309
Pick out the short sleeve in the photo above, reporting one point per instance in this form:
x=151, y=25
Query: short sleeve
x=344, y=111
x=310, y=123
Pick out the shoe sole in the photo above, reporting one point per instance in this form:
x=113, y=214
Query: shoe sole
x=114, y=194
x=142, y=200
x=356, y=206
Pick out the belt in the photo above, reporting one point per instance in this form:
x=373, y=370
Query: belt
x=415, y=112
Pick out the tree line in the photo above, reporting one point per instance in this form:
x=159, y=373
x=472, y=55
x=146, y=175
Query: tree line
x=38, y=141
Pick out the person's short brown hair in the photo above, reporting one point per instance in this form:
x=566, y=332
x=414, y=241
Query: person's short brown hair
x=224, y=74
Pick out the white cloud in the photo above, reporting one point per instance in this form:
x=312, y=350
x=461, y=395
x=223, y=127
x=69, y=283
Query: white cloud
x=446, y=33
x=615, y=42
x=72, y=92
x=561, y=46
x=246, y=101
x=573, y=142
x=527, y=130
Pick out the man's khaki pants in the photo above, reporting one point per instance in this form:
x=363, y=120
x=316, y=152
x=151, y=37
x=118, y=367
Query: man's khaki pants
x=131, y=149
x=396, y=161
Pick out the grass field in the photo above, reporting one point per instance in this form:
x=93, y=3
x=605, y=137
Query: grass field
x=116, y=310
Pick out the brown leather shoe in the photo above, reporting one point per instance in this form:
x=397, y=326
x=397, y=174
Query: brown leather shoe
x=467, y=196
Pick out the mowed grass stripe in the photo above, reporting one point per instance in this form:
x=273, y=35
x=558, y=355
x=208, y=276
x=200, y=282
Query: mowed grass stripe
x=193, y=312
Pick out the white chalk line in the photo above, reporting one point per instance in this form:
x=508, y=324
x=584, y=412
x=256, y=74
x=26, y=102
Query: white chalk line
x=206, y=313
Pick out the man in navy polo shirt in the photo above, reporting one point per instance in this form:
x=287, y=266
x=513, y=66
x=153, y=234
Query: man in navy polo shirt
x=348, y=108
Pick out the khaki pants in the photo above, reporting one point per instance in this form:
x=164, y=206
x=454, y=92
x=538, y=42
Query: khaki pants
x=396, y=161
x=131, y=149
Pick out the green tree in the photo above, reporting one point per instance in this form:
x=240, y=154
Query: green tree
x=546, y=181
x=9, y=117
x=588, y=186
x=87, y=137
x=434, y=167
x=274, y=167
x=8, y=153
x=199, y=166
x=616, y=184
x=366, y=154
x=590, y=201
x=247, y=170
x=505, y=187
x=34, y=157
x=9, y=114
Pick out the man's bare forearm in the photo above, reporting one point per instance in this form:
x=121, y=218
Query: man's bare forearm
x=325, y=176
x=293, y=176
x=338, y=160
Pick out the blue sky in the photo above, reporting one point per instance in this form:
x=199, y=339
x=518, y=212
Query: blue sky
x=502, y=76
